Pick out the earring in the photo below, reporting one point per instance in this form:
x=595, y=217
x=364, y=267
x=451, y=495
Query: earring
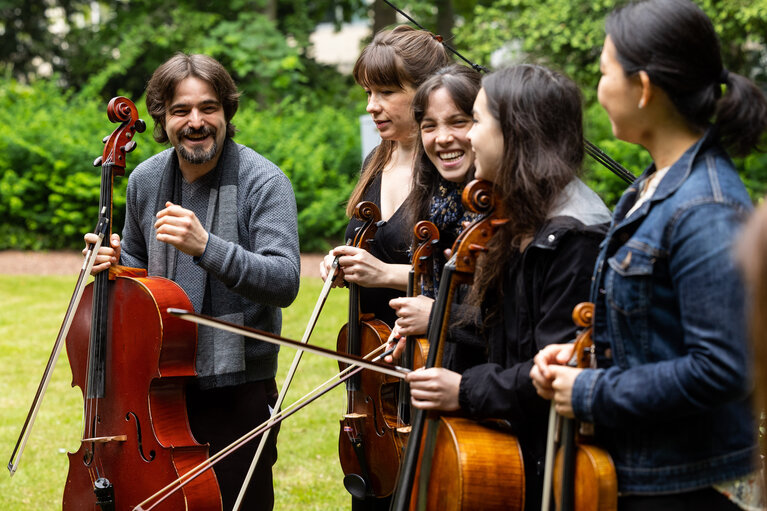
x=641, y=103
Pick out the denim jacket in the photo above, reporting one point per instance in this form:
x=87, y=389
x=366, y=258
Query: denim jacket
x=670, y=396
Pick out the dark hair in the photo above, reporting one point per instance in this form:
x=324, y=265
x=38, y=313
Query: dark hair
x=540, y=116
x=398, y=58
x=462, y=84
x=162, y=87
x=674, y=42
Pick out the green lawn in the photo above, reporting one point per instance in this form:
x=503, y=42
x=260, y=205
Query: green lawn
x=307, y=474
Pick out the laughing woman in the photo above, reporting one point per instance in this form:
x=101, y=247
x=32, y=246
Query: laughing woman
x=670, y=396
x=528, y=141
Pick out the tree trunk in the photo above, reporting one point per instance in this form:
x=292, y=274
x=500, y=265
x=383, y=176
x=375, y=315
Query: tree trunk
x=383, y=16
x=445, y=20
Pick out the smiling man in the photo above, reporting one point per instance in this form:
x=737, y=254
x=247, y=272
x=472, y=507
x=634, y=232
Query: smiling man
x=220, y=220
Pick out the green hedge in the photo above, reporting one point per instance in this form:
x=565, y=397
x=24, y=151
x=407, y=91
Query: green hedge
x=49, y=190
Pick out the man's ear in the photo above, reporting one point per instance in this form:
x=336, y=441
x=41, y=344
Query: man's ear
x=647, y=92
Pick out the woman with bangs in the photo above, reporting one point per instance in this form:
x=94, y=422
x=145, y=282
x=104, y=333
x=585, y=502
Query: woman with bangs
x=390, y=69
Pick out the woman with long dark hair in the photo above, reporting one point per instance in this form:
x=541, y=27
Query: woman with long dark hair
x=670, y=396
x=528, y=141
x=442, y=110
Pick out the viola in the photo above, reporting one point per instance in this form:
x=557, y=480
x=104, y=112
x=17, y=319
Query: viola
x=584, y=474
x=368, y=444
x=452, y=462
x=132, y=360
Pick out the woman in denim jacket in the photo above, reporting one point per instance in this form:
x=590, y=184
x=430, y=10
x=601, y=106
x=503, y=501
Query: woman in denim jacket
x=670, y=396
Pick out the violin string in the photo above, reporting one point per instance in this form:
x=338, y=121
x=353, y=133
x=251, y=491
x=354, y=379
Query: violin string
x=184, y=479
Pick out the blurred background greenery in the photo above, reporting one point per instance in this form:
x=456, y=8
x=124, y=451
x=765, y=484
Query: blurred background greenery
x=62, y=60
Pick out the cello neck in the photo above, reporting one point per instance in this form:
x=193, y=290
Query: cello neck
x=100, y=309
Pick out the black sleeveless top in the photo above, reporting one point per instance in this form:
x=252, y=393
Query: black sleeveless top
x=390, y=245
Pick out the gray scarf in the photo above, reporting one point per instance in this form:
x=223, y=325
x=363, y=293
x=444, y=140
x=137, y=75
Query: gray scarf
x=218, y=352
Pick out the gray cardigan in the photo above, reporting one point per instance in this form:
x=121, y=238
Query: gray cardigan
x=250, y=278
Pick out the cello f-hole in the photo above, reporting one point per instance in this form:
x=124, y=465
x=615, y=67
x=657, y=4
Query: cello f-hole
x=152, y=453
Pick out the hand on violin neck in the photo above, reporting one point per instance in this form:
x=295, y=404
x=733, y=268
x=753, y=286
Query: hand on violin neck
x=435, y=388
x=541, y=373
x=181, y=228
x=108, y=254
x=326, y=269
x=562, y=385
x=361, y=268
x=413, y=314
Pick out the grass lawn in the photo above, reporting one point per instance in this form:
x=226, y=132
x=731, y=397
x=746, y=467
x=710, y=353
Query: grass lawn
x=306, y=476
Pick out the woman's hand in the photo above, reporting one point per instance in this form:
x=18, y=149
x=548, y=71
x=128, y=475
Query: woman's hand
x=434, y=389
x=359, y=267
x=413, y=314
x=541, y=372
x=562, y=386
x=326, y=268
x=108, y=254
x=396, y=341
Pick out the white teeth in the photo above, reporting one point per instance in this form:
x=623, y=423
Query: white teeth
x=451, y=155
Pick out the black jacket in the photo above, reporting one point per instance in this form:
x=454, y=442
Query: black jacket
x=539, y=291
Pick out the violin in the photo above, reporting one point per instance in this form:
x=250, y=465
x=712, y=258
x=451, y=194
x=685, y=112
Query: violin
x=132, y=359
x=416, y=348
x=368, y=444
x=584, y=474
x=453, y=462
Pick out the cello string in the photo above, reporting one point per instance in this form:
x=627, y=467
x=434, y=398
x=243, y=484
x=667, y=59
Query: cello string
x=336, y=380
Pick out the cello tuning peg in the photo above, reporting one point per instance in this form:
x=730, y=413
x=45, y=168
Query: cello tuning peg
x=97, y=161
x=104, y=140
x=140, y=126
x=130, y=146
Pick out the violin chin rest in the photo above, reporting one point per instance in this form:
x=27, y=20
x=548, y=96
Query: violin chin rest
x=356, y=486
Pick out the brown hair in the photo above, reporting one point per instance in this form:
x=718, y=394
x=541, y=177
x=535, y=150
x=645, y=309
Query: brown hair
x=751, y=252
x=539, y=112
x=462, y=83
x=399, y=57
x=162, y=87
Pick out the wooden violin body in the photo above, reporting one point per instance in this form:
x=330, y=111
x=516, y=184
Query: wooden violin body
x=369, y=446
x=368, y=443
x=141, y=431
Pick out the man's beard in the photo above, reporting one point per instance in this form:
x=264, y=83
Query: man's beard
x=197, y=155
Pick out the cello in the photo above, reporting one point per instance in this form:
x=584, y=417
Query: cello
x=453, y=462
x=132, y=360
x=368, y=444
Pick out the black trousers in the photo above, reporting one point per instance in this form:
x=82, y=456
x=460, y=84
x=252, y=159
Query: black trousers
x=222, y=415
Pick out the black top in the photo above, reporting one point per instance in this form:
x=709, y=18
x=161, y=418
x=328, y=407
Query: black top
x=539, y=292
x=390, y=245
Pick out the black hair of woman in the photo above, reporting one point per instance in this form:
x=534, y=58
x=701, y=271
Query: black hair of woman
x=675, y=43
